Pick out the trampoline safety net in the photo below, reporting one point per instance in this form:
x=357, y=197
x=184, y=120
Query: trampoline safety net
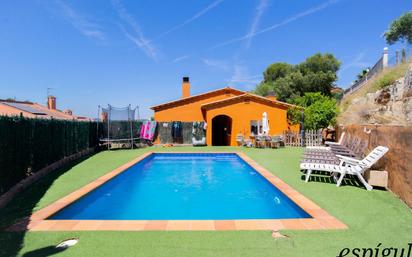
x=119, y=124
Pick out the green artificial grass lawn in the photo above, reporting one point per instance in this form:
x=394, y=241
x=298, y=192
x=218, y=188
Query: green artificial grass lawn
x=373, y=217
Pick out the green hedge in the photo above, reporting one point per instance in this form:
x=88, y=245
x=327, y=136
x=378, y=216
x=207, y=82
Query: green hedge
x=27, y=145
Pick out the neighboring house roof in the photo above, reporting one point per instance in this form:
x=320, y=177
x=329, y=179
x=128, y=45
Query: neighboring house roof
x=247, y=96
x=34, y=110
x=226, y=90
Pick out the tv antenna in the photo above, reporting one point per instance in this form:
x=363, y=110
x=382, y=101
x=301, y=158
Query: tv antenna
x=48, y=91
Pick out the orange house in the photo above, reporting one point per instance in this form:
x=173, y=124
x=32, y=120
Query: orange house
x=227, y=111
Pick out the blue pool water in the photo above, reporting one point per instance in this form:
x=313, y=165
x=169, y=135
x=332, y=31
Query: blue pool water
x=185, y=187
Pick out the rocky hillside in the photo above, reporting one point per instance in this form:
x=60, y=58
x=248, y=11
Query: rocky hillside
x=374, y=104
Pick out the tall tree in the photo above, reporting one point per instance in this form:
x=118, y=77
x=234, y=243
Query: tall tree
x=316, y=74
x=276, y=71
x=320, y=63
x=400, y=29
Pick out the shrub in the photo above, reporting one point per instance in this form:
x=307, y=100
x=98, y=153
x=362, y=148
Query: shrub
x=389, y=76
x=385, y=80
x=320, y=111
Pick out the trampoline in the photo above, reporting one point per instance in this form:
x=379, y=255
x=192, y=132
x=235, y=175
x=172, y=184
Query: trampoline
x=119, y=126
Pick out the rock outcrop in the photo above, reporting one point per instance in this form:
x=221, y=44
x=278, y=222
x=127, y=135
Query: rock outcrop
x=389, y=105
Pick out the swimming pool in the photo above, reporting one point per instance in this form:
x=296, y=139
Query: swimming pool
x=185, y=186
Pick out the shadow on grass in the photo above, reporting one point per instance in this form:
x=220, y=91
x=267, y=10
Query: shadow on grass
x=45, y=251
x=20, y=208
x=325, y=177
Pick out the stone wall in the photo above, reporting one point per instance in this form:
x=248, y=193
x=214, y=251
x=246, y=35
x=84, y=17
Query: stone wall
x=398, y=161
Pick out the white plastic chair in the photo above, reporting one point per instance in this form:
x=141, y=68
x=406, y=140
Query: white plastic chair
x=347, y=166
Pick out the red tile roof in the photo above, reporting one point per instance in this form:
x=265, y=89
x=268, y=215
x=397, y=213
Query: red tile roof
x=34, y=110
x=196, y=97
x=248, y=96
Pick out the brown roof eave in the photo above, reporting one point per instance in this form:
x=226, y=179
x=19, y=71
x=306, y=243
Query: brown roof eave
x=250, y=96
x=191, y=98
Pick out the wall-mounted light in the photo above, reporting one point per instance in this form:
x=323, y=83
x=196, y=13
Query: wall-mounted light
x=367, y=131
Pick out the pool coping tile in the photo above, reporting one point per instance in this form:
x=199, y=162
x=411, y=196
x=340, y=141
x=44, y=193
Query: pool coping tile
x=225, y=225
x=320, y=219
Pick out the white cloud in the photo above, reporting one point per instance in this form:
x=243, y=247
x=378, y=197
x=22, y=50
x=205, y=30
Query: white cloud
x=240, y=73
x=349, y=68
x=221, y=65
x=260, y=9
x=241, y=77
x=79, y=22
x=181, y=58
x=136, y=35
x=357, y=62
x=278, y=25
x=194, y=17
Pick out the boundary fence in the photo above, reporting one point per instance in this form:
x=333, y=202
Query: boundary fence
x=28, y=145
x=392, y=59
x=310, y=138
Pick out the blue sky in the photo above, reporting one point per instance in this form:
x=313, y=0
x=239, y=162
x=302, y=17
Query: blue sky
x=136, y=52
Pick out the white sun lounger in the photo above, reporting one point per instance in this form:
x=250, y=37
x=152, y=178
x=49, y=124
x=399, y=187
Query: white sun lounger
x=347, y=166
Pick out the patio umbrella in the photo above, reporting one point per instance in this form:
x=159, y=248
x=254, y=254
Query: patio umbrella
x=265, y=124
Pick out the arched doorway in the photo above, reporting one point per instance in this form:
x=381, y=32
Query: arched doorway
x=221, y=130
